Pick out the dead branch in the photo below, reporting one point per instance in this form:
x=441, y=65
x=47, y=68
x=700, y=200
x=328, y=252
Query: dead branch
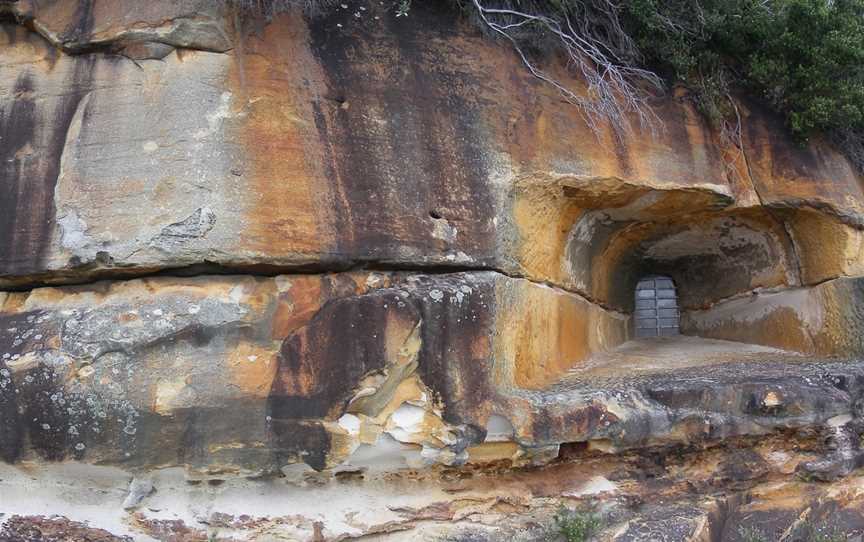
x=605, y=62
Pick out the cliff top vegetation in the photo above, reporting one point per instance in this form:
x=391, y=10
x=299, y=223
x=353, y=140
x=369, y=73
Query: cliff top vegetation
x=803, y=58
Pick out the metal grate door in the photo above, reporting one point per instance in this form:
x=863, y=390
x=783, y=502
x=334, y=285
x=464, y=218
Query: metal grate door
x=656, y=307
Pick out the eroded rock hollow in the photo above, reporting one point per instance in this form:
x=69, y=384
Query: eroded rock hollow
x=322, y=277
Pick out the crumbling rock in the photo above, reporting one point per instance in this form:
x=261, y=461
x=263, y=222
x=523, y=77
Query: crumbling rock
x=845, y=453
x=53, y=529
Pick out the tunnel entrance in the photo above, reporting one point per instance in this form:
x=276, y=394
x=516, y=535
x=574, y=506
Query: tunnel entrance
x=656, y=311
x=657, y=314
x=690, y=289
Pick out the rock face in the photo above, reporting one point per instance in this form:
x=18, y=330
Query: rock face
x=355, y=245
x=246, y=374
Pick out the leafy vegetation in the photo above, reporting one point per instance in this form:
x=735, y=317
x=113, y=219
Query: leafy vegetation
x=576, y=525
x=566, y=525
x=804, y=58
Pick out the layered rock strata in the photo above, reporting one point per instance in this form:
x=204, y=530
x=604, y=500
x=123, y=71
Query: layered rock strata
x=363, y=246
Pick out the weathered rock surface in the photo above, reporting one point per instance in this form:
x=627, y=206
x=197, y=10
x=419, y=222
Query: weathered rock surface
x=127, y=27
x=310, y=145
x=717, y=493
x=248, y=374
x=245, y=261
x=244, y=373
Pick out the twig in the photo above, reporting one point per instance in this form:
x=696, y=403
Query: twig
x=613, y=93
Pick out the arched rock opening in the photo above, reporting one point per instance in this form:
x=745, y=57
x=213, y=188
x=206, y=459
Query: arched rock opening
x=748, y=273
x=711, y=256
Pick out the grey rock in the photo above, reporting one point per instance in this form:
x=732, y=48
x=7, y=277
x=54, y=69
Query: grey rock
x=139, y=489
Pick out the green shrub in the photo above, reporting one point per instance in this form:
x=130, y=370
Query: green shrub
x=577, y=525
x=804, y=57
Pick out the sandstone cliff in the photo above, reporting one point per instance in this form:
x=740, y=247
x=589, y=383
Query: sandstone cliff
x=265, y=256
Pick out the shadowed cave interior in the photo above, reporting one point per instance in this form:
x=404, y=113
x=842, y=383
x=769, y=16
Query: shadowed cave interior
x=702, y=287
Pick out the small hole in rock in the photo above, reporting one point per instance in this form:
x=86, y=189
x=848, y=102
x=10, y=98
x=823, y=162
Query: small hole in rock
x=435, y=214
x=569, y=451
x=348, y=476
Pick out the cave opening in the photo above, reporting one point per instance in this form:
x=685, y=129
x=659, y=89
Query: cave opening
x=688, y=290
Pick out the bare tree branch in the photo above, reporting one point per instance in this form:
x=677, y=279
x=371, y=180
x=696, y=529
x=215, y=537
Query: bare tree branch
x=613, y=91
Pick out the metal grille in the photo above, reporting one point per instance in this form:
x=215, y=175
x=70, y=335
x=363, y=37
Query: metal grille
x=656, y=307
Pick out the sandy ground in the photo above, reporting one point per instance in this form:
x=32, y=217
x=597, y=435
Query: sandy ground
x=663, y=354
